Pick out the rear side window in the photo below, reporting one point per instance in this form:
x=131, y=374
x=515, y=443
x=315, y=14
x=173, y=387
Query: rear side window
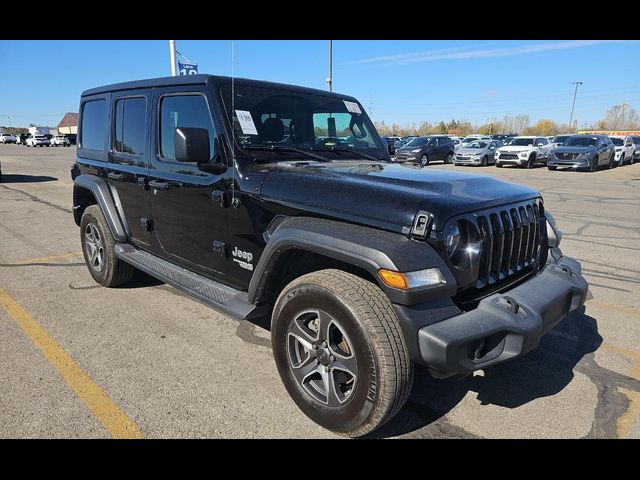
x=183, y=111
x=94, y=121
x=129, y=125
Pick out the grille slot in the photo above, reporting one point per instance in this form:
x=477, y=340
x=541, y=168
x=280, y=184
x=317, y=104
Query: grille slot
x=511, y=239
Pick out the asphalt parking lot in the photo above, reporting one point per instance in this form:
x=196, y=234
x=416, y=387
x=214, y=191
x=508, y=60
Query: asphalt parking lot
x=78, y=360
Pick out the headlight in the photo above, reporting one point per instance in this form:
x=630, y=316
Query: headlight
x=416, y=150
x=452, y=240
x=462, y=242
x=554, y=235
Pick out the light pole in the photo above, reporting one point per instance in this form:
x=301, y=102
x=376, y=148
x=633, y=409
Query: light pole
x=330, y=77
x=574, y=101
x=172, y=52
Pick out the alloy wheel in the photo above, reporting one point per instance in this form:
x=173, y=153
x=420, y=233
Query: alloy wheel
x=321, y=358
x=94, y=247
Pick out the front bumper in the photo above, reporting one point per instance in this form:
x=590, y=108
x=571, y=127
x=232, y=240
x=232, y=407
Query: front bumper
x=504, y=325
x=520, y=161
x=467, y=160
x=403, y=157
x=572, y=163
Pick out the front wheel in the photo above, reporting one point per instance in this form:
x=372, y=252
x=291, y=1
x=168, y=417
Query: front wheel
x=594, y=165
x=552, y=168
x=531, y=161
x=485, y=161
x=424, y=160
x=340, y=351
x=498, y=165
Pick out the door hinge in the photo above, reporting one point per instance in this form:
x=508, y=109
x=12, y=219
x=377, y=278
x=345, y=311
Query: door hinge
x=220, y=248
x=146, y=224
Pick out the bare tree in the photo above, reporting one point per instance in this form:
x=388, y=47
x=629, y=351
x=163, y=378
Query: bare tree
x=620, y=117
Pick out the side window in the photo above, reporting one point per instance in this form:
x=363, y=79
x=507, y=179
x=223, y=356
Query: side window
x=129, y=125
x=189, y=110
x=94, y=120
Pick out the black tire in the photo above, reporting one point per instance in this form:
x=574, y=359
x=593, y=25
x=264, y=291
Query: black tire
x=531, y=161
x=612, y=161
x=622, y=160
x=594, y=164
x=106, y=269
x=485, y=161
x=424, y=160
x=384, y=371
x=552, y=168
x=498, y=165
x=448, y=158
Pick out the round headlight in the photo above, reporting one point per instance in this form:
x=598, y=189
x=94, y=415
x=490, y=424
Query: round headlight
x=452, y=239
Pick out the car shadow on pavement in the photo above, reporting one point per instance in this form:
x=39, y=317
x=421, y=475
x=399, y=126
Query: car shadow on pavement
x=543, y=372
x=18, y=178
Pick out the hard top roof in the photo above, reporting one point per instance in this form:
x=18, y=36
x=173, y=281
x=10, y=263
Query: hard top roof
x=202, y=79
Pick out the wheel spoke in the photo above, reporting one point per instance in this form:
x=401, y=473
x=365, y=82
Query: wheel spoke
x=306, y=368
x=324, y=323
x=347, y=365
x=303, y=341
x=329, y=383
x=302, y=333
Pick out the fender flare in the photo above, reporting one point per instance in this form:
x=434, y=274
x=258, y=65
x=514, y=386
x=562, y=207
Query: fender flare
x=364, y=247
x=101, y=192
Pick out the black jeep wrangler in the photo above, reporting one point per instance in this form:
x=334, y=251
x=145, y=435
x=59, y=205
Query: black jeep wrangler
x=259, y=198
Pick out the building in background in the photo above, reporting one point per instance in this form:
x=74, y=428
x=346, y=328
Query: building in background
x=68, y=124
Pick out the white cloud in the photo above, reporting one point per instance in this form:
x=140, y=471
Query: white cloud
x=460, y=53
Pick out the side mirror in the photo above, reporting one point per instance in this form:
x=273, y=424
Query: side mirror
x=192, y=145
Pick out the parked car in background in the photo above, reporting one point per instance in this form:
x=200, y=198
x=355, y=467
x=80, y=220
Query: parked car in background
x=503, y=137
x=583, y=152
x=474, y=137
x=523, y=151
x=477, y=153
x=21, y=138
x=71, y=137
x=425, y=150
x=37, y=141
x=457, y=141
x=625, y=149
x=559, y=139
x=59, y=141
x=7, y=138
x=636, y=143
x=404, y=140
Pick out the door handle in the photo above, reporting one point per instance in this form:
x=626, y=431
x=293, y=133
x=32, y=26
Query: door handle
x=116, y=176
x=159, y=185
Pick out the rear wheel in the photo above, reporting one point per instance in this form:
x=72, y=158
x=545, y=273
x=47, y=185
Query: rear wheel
x=424, y=160
x=97, y=248
x=340, y=351
x=449, y=158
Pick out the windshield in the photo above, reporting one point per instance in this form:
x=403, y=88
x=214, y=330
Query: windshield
x=418, y=142
x=265, y=117
x=469, y=139
x=581, y=142
x=636, y=140
x=618, y=142
x=559, y=138
x=521, y=142
x=477, y=145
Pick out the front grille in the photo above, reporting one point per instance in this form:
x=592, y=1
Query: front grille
x=459, y=157
x=511, y=238
x=566, y=156
x=508, y=156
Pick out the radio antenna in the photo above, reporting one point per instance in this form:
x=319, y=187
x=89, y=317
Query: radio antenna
x=233, y=126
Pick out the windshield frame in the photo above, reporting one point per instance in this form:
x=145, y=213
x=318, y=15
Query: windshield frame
x=222, y=93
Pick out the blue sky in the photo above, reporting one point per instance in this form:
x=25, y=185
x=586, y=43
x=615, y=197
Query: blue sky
x=402, y=81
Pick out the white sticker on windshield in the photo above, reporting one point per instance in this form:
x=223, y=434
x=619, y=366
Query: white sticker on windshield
x=352, y=107
x=246, y=122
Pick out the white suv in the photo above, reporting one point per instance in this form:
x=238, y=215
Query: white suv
x=7, y=138
x=59, y=140
x=37, y=141
x=624, y=149
x=523, y=152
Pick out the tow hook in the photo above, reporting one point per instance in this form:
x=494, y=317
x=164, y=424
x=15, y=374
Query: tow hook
x=567, y=270
x=510, y=304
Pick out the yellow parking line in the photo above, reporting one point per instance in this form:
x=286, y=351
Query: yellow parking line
x=46, y=259
x=625, y=421
x=631, y=354
x=614, y=308
x=107, y=412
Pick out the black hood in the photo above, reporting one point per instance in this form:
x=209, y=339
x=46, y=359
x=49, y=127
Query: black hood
x=385, y=195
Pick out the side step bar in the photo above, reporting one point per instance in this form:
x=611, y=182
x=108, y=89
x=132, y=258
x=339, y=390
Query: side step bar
x=221, y=297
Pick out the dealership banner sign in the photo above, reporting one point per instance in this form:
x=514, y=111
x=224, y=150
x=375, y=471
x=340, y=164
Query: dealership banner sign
x=187, y=68
x=618, y=133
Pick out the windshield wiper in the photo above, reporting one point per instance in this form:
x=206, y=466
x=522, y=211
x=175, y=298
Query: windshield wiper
x=285, y=148
x=350, y=150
